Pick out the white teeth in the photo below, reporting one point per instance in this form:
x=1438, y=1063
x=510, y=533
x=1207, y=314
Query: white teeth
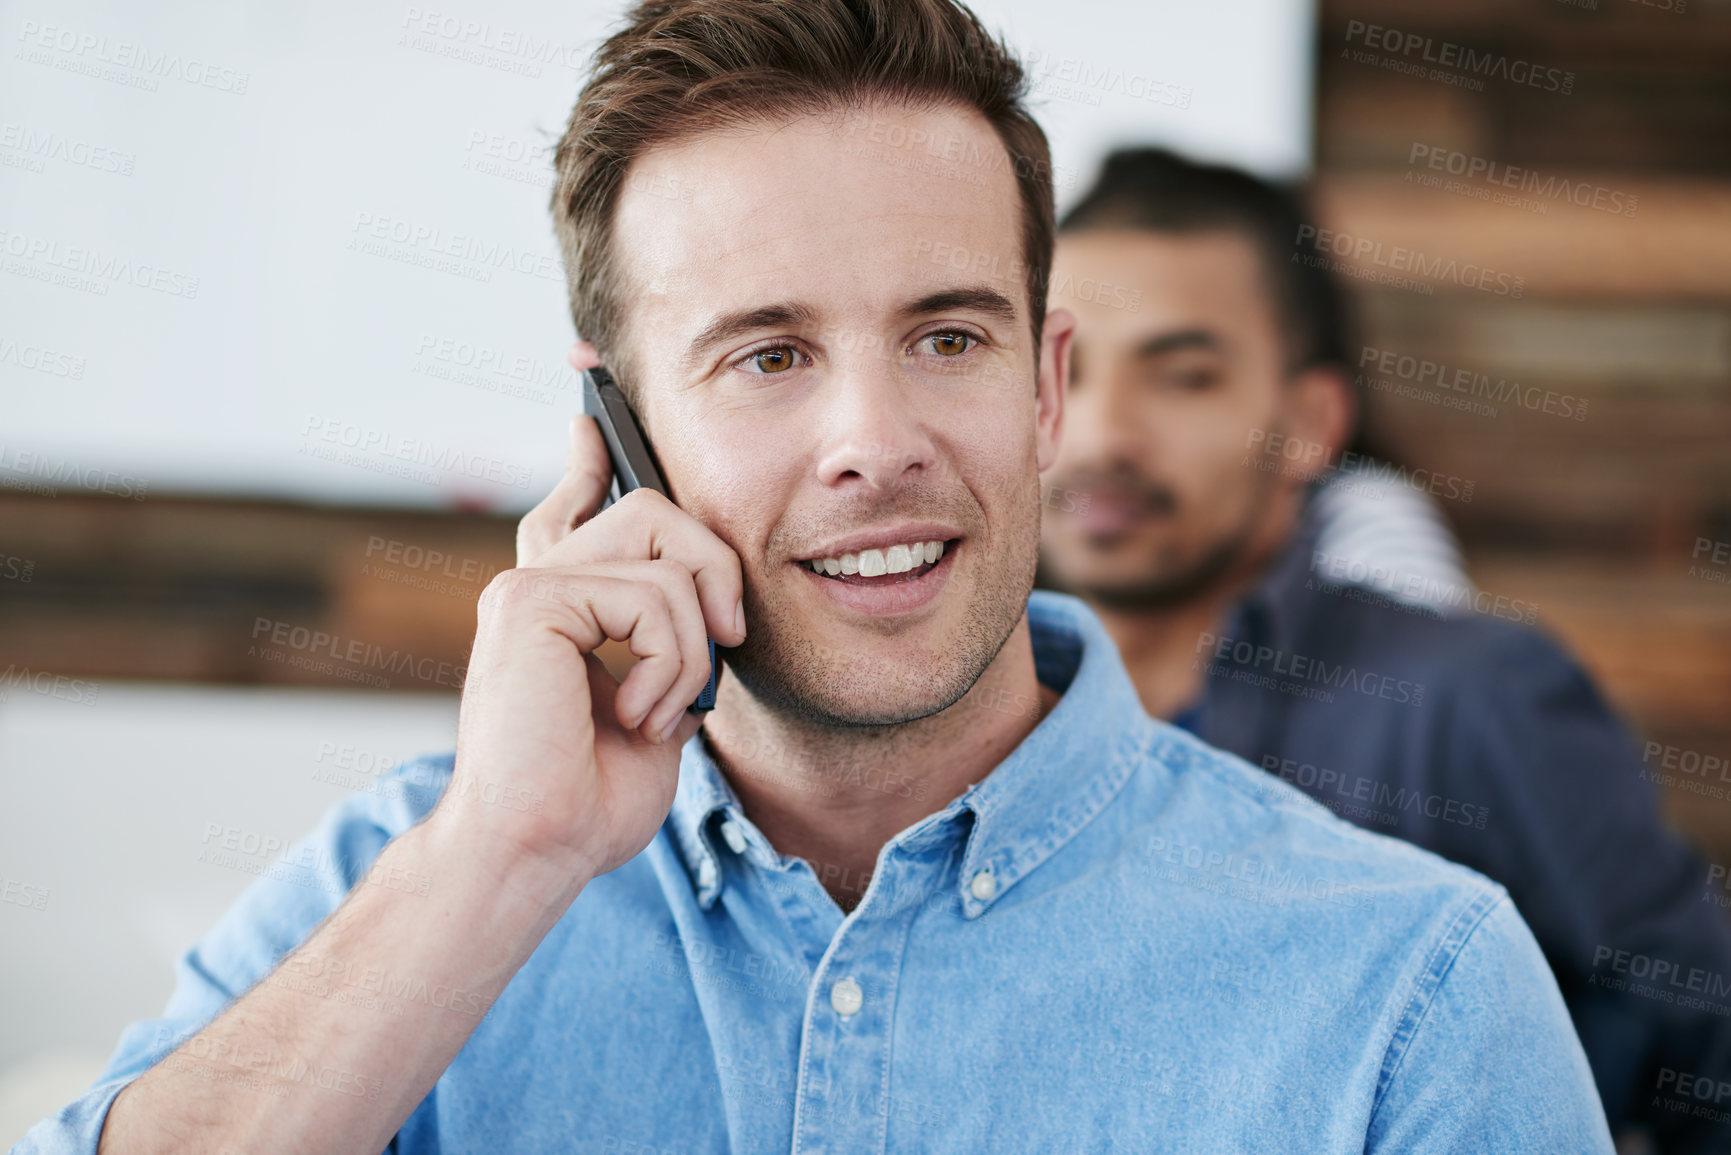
x=877, y=562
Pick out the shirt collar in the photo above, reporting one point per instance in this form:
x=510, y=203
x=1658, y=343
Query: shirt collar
x=1049, y=787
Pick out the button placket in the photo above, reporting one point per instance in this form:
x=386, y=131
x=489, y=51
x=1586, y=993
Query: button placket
x=850, y=1019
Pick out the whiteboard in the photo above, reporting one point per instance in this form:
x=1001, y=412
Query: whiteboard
x=303, y=251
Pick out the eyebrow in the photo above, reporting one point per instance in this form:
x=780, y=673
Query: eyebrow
x=977, y=298
x=1180, y=339
x=787, y=314
x=730, y=325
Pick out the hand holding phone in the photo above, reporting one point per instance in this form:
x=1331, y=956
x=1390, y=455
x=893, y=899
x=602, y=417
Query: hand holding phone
x=634, y=468
x=561, y=765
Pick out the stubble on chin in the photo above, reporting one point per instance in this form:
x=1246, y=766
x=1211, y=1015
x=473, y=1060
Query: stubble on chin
x=786, y=669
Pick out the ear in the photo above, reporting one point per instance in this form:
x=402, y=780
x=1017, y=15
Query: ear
x=1052, y=384
x=1320, y=411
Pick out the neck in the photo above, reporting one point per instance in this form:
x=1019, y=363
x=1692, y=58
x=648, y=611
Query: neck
x=1160, y=644
x=834, y=796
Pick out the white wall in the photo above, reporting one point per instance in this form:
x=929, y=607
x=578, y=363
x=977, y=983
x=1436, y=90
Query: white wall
x=107, y=804
x=145, y=147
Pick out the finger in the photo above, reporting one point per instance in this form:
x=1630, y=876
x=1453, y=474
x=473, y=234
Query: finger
x=603, y=692
x=652, y=704
x=644, y=524
x=689, y=724
x=588, y=478
x=675, y=582
x=604, y=695
x=587, y=607
x=582, y=355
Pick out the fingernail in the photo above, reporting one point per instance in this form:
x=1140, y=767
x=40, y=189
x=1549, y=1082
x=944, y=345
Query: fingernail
x=739, y=616
x=671, y=726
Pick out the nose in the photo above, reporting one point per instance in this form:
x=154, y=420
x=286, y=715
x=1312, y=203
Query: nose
x=874, y=433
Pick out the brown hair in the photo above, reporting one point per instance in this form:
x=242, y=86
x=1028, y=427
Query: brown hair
x=682, y=67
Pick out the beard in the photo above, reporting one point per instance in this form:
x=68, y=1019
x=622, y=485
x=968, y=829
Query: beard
x=1171, y=580
x=791, y=674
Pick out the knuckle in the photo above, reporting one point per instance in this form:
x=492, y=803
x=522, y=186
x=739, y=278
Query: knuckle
x=539, y=514
x=658, y=601
x=511, y=588
x=641, y=497
x=499, y=591
x=667, y=571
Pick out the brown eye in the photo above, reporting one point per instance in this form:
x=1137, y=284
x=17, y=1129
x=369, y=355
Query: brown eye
x=950, y=344
x=1193, y=380
x=774, y=360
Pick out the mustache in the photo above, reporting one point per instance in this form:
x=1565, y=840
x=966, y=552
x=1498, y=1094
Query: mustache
x=1122, y=482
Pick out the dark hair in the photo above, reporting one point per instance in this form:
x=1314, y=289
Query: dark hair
x=679, y=68
x=1160, y=191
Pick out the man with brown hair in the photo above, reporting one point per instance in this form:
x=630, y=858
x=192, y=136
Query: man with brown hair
x=928, y=878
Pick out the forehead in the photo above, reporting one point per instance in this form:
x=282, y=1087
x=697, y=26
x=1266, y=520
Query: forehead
x=1214, y=277
x=822, y=209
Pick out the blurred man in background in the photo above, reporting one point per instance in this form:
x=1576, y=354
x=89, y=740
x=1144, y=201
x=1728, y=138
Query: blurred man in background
x=1223, y=513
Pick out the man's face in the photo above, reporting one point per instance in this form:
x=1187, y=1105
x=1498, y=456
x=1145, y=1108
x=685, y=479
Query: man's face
x=820, y=373
x=1163, y=402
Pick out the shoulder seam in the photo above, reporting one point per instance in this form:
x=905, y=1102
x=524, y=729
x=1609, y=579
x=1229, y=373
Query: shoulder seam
x=1430, y=980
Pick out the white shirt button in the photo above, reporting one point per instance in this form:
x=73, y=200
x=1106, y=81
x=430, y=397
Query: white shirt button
x=705, y=874
x=984, y=886
x=846, y=997
x=734, y=836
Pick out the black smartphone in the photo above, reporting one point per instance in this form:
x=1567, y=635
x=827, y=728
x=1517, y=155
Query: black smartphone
x=633, y=468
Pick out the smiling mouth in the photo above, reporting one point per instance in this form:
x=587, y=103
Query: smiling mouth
x=876, y=567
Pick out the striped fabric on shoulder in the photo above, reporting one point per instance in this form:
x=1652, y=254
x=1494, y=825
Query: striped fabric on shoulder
x=1375, y=532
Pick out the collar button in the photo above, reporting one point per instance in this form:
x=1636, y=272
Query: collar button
x=733, y=836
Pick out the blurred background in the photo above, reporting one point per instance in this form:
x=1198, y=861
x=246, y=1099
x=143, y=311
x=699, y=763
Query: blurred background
x=282, y=335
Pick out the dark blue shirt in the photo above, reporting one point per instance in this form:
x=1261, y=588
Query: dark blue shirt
x=1483, y=741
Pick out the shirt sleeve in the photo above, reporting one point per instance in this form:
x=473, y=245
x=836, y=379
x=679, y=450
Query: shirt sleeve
x=1488, y=1063
x=278, y=912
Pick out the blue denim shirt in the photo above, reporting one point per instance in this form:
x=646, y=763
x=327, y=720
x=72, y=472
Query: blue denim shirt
x=1121, y=939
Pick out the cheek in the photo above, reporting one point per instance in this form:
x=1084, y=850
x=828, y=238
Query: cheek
x=707, y=474
x=1208, y=465
x=997, y=459
x=739, y=499
x=743, y=479
x=1224, y=437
